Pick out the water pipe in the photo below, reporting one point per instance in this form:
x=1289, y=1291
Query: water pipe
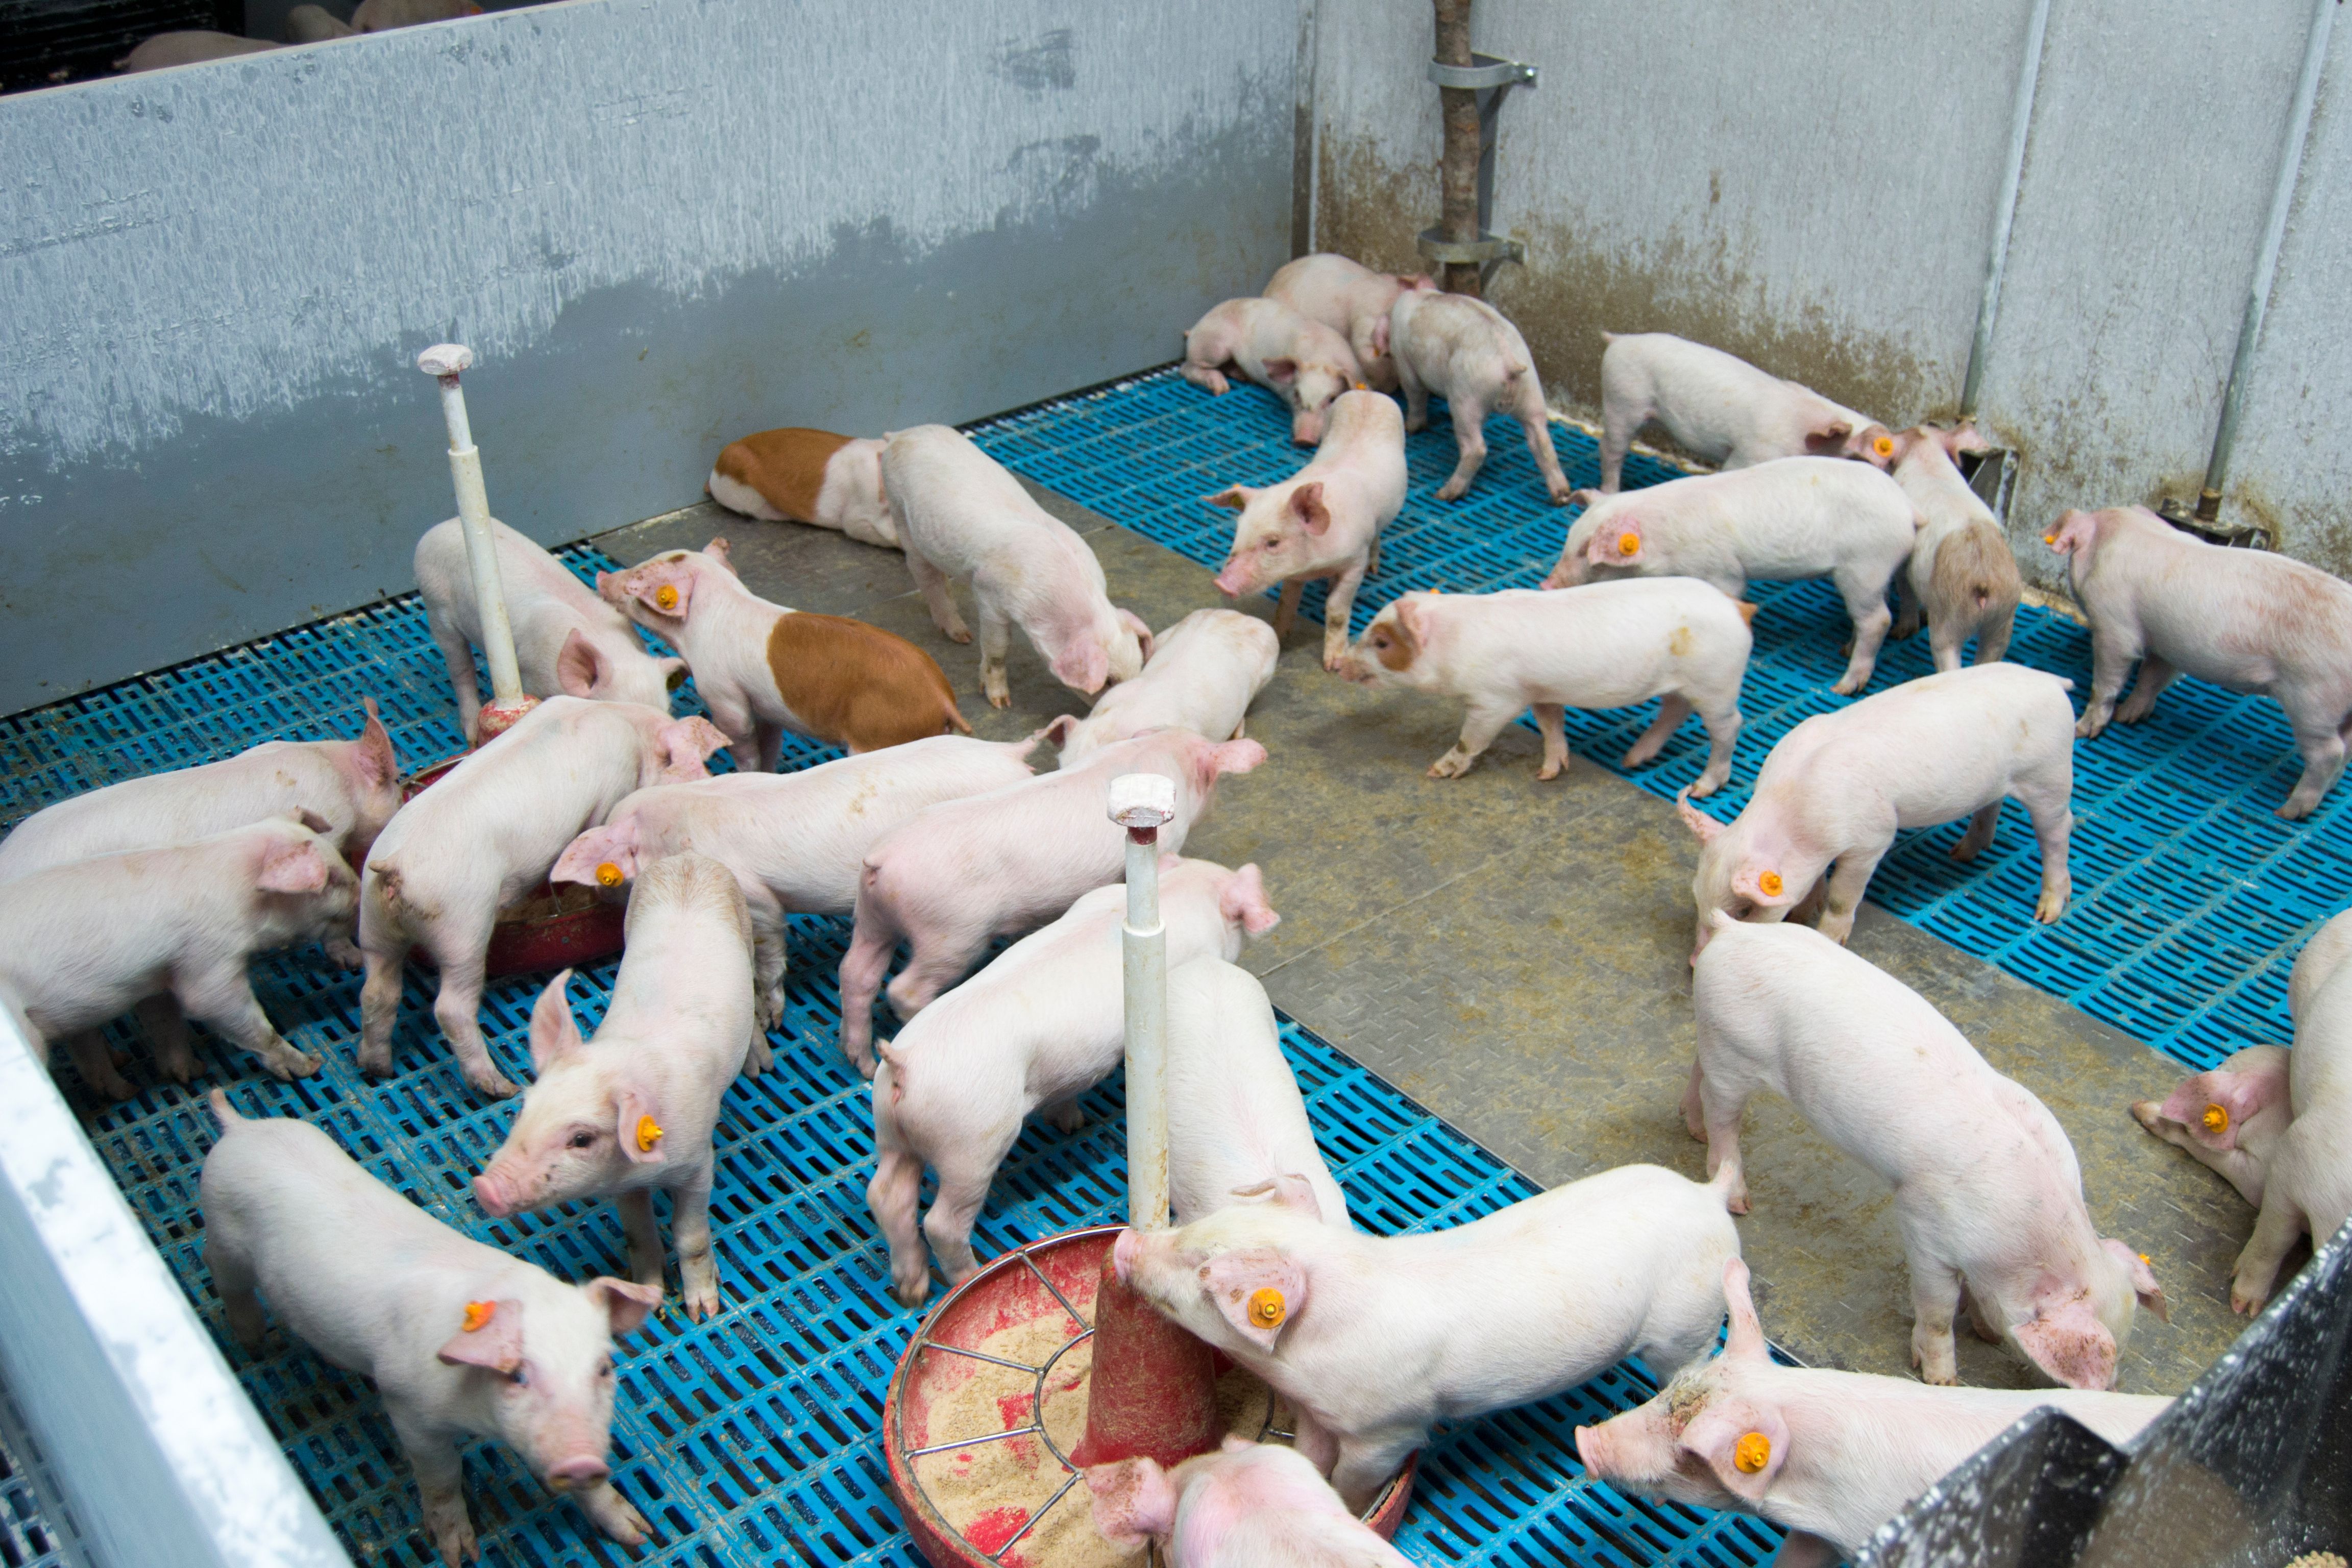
x=447, y=363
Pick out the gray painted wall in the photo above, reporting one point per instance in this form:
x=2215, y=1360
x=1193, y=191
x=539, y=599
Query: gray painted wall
x=659, y=223
x=1813, y=187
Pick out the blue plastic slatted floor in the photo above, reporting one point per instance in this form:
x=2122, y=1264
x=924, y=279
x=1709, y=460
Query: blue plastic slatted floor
x=2191, y=898
x=753, y=1439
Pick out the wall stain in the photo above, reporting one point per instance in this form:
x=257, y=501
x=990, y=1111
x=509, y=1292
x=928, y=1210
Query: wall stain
x=1035, y=67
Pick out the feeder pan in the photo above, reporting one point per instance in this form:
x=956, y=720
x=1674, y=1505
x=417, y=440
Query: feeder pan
x=989, y=1400
x=549, y=929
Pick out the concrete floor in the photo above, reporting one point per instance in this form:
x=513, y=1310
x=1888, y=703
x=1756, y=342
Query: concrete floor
x=1514, y=956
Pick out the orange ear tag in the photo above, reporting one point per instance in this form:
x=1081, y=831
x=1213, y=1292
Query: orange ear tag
x=1769, y=884
x=1752, y=1452
x=2050, y=539
x=665, y=596
x=1356, y=386
x=1629, y=544
x=2144, y=1258
x=477, y=1315
x=1882, y=446
x=2216, y=1118
x=649, y=1133
x=608, y=875
x=1267, y=1309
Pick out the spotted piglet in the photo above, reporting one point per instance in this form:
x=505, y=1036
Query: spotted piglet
x=630, y=1112
x=1246, y=1504
x=762, y=669
x=806, y=476
x=1299, y=359
x=2246, y=620
x=1988, y=1192
x=1605, y=644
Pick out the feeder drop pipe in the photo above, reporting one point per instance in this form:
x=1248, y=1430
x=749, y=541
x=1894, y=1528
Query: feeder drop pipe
x=2258, y=293
x=1142, y=803
x=445, y=361
x=2021, y=122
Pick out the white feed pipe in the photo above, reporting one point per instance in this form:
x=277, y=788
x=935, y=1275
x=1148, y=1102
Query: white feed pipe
x=1143, y=803
x=446, y=362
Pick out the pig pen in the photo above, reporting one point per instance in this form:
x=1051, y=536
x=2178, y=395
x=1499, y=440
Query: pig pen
x=1479, y=979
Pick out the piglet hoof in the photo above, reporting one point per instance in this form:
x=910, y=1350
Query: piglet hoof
x=912, y=1293
x=1333, y=661
x=701, y=1302
x=1559, y=493
x=1706, y=785
x=1547, y=772
x=453, y=1533
x=2241, y=1302
x=293, y=1064
x=1736, y=1202
x=759, y=1058
x=1413, y=421
x=612, y=1514
x=1452, y=765
x=1002, y=697
x=1068, y=1117
x=1851, y=684
x=957, y=633
x=343, y=954
x=178, y=1065
x=2295, y=810
x=1454, y=489
x=112, y=1085
x=2085, y=729
x=489, y=1082
x=2052, y=906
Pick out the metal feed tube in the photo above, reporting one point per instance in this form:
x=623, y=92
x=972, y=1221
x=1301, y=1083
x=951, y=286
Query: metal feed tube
x=446, y=362
x=1143, y=803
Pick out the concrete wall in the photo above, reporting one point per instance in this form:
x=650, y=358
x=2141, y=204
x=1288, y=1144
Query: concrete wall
x=659, y=223
x=1813, y=187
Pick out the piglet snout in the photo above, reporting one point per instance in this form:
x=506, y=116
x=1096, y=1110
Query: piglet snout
x=1230, y=580
x=1122, y=1256
x=577, y=1473
x=491, y=1192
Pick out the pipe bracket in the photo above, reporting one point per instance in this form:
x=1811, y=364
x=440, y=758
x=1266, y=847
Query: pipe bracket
x=1485, y=72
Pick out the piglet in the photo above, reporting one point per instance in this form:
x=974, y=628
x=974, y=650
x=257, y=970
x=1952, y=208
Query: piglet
x=1463, y=350
x=461, y=1339
x=1294, y=356
x=171, y=930
x=1324, y=522
x=1606, y=644
x=568, y=642
x=350, y=786
x=630, y=1113
x=1987, y=1188
x=762, y=669
x=1352, y=300
x=1237, y=1125
x=961, y=514
x=1203, y=673
x=1374, y=1339
x=1789, y=519
x=1961, y=571
x=1249, y=1505
x=808, y=476
x=991, y=864
x=486, y=835
x=795, y=842
x=1036, y=1028
x=2288, y=1123
x=1721, y=409
x=2246, y=620
x=1839, y=786
x=1827, y=1456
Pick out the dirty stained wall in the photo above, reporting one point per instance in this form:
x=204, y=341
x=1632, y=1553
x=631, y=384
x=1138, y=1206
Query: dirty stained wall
x=659, y=223
x=1813, y=188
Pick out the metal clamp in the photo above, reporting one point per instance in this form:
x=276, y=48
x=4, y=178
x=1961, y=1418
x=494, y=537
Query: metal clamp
x=1488, y=70
x=1487, y=250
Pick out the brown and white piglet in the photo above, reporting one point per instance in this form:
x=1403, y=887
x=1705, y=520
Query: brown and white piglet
x=808, y=476
x=762, y=669
x=630, y=1113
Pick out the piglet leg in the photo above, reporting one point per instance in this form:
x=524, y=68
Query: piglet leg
x=1285, y=609
x=1848, y=881
x=2318, y=737
x=237, y=1284
x=893, y=1195
x=1479, y=727
x=2275, y=1233
x=91, y=1058
x=1935, y=1304
x=1338, y=605
x=1672, y=708
x=378, y=1009
x=995, y=641
x=938, y=596
x=1551, y=723
x=223, y=1001
x=2155, y=675
x=2112, y=654
x=643, y=1235
x=1470, y=438
x=167, y=1035
x=440, y=1483
x=1865, y=602
x=458, y=1009
x=1722, y=735
x=697, y=1265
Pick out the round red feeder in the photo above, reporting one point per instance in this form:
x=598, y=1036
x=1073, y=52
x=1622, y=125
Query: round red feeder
x=988, y=1407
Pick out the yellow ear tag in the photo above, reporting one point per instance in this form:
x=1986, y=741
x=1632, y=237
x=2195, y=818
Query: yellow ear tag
x=2216, y=1118
x=608, y=875
x=477, y=1315
x=1629, y=544
x=1752, y=1453
x=649, y=1133
x=1267, y=1308
x=665, y=596
x=1769, y=884
x=1884, y=447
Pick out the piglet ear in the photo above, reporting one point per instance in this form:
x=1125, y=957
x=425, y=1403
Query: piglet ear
x=1413, y=621
x=311, y=820
x=378, y=762
x=1232, y=499
x=1243, y=899
x=1290, y=1191
x=552, y=1029
x=627, y=1304
x=1082, y=666
x=1742, y=1443
x=580, y=668
x=1282, y=370
x=1616, y=543
x=1258, y=1291
x=1746, y=1340
x=1380, y=334
x=292, y=866
x=2143, y=1277
x=1827, y=436
x=1238, y=756
x=1134, y=1502
x=1700, y=824
x=718, y=550
x=601, y=858
x=685, y=744
x=2070, y=1344
x=1306, y=506
x=1059, y=730
x=638, y=1124
x=2214, y=1106
x=488, y=1335
x=1134, y=622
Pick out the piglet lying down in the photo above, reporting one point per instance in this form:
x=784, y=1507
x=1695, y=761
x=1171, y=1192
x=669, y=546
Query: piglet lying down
x=1249, y=1505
